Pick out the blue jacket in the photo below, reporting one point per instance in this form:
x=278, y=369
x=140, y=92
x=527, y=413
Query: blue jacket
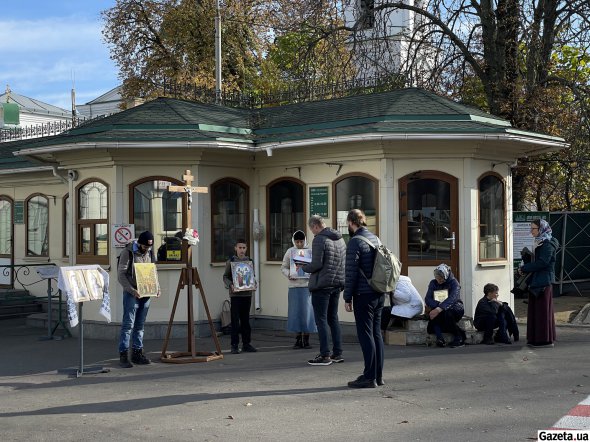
x=453, y=301
x=326, y=268
x=359, y=256
x=543, y=267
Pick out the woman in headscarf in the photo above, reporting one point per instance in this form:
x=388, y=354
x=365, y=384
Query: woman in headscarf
x=300, y=319
x=540, y=317
x=443, y=298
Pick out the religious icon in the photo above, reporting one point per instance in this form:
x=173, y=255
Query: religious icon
x=76, y=285
x=299, y=257
x=146, y=276
x=94, y=283
x=243, y=276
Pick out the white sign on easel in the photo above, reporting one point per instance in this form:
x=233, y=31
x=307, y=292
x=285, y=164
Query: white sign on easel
x=122, y=234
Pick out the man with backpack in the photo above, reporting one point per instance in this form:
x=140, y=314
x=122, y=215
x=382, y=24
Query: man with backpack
x=368, y=303
x=135, y=309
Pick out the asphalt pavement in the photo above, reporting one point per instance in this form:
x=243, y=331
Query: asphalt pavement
x=475, y=393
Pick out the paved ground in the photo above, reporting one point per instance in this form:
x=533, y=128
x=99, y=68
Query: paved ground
x=566, y=307
x=478, y=392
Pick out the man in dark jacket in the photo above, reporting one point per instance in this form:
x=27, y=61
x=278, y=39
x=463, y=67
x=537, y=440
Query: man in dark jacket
x=135, y=308
x=368, y=304
x=491, y=313
x=326, y=281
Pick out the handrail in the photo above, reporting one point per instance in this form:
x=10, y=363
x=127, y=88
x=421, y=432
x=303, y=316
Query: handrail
x=23, y=270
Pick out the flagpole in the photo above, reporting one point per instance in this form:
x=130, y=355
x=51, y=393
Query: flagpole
x=217, y=55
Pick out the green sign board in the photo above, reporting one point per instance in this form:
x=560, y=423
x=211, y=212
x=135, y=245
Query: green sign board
x=318, y=201
x=19, y=212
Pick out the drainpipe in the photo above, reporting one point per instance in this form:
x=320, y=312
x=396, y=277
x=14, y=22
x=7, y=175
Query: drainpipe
x=56, y=174
x=256, y=235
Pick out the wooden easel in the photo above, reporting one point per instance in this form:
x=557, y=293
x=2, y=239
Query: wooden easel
x=189, y=277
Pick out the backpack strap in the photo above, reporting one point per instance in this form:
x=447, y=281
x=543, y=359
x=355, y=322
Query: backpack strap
x=362, y=238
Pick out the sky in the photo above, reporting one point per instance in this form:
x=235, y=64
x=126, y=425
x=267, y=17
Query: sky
x=49, y=46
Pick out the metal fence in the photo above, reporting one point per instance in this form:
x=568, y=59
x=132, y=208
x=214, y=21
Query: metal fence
x=572, y=230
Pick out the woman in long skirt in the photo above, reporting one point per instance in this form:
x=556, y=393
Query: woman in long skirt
x=300, y=317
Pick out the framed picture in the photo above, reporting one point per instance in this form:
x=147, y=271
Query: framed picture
x=242, y=273
x=76, y=285
x=299, y=256
x=146, y=277
x=94, y=283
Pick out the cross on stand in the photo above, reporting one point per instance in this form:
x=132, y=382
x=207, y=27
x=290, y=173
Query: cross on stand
x=189, y=276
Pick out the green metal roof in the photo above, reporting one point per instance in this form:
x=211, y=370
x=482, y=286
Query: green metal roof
x=411, y=110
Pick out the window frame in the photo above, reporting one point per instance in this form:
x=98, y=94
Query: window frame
x=65, y=223
x=335, y=197
x=246, y=216
x=90, y=258
x=27, y=254
x=10, y=201
x=184, y=220
x=502, y=181
x=268, y=223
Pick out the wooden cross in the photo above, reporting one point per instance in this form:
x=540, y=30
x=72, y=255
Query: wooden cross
x=188, y=188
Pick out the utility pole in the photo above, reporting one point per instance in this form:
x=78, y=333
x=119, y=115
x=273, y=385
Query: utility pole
x=217, y=55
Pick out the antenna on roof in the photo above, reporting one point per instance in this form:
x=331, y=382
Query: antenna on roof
x=73, y=99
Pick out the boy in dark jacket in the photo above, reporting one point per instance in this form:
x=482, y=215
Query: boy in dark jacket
x=240, y=303
x=491, y=313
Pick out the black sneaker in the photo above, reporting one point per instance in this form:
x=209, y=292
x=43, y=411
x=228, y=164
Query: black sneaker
x=488, y=341
x=440, y=343
x=249, y=348
x=380, y=382
x=124, y=360
x=320, y=360
x=362, y=382
x=137, y=357
x=336, y=359
x=457, y=343
x=235, y=350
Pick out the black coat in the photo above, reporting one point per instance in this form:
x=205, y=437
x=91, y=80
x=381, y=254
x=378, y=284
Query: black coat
x=326, y=268
x=359, y=256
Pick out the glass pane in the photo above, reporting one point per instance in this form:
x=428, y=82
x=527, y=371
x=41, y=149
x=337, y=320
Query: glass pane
x=356, y=192
x=229, y=202
x=286, y=216
x=5, y=227
x=85, y=240
x=93, y=201
x=429, y=219
x=38, y=226
x=68, y=221
x=101, y=244
x=159, y=211
x=491, y=218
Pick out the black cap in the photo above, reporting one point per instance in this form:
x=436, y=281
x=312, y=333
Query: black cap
x=145, y=237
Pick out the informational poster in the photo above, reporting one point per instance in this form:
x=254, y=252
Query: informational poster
x=318, y=201
x=146, y=276
x=19, y=212
x=122, y=234
x=521, y=228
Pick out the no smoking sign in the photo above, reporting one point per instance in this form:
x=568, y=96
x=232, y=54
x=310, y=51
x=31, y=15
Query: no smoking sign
x=122, y=234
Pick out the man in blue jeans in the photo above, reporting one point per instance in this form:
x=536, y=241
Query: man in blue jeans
x=135, y=309
x=326, y=281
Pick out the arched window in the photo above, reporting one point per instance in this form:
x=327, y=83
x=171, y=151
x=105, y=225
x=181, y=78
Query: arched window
x=355, y=191
x=286, y=214
x=161, y=212
x=492, y=217
x=6, y=244
x=92, y=222
x=37, y=216
x=229, y=217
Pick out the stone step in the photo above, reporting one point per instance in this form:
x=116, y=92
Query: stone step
x=14, y=310
x=401, y=336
